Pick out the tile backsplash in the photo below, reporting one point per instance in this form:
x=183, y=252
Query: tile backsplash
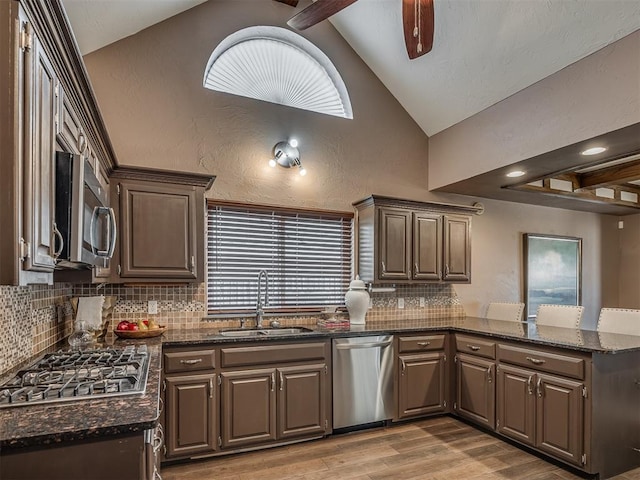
x=32, y=319
x=35, y=317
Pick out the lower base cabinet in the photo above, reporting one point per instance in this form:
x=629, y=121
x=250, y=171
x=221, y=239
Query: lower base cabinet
x=248, y=407
x=475, y=390
x=238, y=397
x=543, y=411
x=191, y=421
x=421, y=384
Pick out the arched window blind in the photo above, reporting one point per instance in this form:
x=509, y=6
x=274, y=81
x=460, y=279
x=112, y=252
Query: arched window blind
x=306, y=254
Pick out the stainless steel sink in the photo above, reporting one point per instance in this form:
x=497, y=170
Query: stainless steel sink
x=265, y=332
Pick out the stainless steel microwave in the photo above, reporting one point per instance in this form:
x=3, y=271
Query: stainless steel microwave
x=85, y=221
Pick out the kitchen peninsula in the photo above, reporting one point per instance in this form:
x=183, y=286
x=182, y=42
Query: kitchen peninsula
x=597, y=372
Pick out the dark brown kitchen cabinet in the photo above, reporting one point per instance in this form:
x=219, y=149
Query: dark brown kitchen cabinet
x=190, y=414
x=302, y=401
x=421, y=384
x=401, y=241
x=160, y=217
x=457, y=249
x=40, y=108
x=394, y=244
x=274, y=393
x=475, y=389
x=422, y=375
x=538, y=407
x=248, y=407
x=48, y=104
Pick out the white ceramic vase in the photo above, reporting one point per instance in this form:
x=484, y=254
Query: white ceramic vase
x=357, y=301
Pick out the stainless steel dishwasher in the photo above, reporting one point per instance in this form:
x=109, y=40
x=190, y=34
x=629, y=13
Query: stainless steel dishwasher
x=362, y=380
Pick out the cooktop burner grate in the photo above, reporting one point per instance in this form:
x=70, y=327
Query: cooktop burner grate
x=74, y=375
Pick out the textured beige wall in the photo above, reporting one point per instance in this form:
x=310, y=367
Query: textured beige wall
x=158, y=114
x=629, y=286
x=149, y=87
x=595, y=95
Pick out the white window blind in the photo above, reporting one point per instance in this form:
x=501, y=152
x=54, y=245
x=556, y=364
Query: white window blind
x=307, y=256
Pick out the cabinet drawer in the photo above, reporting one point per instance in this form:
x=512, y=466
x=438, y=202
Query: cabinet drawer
x=268, y=354
x=476, y=346
x=565, y=365
x=189, y=361
x=420, y=343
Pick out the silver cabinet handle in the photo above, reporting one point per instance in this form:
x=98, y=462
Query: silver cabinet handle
x=539, y=387
x=351, y=346
x=281, y=381
x=273, y=381
x=475, y=348
x=404, y=366
x=57, y=233
x=384, y=268
x=535, y=361
x=211, y=387
x=446, y=270
x=415, y=269
x=191, y=362
x=424, y=344
x=530, y=385
x=193, y=264
x=489, y=376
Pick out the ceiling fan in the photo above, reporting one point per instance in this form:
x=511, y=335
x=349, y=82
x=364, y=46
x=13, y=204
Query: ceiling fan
x=417, y=20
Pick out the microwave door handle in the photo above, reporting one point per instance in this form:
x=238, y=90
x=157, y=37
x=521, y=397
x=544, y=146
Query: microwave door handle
x=112, y=233
x=92, y=237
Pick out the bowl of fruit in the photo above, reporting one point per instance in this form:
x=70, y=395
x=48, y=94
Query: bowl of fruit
x=139, y=329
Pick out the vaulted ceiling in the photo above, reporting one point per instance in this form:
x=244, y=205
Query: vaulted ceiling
x=484, y=51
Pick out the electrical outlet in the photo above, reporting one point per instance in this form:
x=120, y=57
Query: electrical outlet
x=400, y=302
x=152, y=307
x=422, y=301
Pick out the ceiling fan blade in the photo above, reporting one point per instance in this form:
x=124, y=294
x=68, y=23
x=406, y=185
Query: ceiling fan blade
x=418, y=23
x=316, y=12
x=291, y=3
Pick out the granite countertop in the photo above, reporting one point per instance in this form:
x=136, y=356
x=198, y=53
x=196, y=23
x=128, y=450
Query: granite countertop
x=570, y=338
x=85, y=419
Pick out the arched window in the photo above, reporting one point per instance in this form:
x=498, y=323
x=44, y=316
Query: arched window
x=278, y=66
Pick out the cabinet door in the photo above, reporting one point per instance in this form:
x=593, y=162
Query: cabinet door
x=302, y=401
x=516, y=403
x=457, y=248
x=421, y=384
x=427, y=246
x=69, y=130
x=248, y=407
x=560, y=420
x=475, y=392
x=190, y=415
x=158, y=231
x=394, y=250
x=39, y=168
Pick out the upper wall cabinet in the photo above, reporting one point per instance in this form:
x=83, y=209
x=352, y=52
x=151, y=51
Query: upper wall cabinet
x=402, y=241
x=47, y=105
x=161, y=218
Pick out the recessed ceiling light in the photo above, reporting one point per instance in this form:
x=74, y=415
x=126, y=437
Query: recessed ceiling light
x=593, y=151
x=515, y=173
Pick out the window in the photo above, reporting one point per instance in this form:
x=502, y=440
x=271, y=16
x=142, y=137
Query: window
x=307, y=255
x=276, y=65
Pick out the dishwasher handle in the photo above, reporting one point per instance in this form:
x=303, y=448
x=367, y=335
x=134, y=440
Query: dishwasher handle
x=352, y=346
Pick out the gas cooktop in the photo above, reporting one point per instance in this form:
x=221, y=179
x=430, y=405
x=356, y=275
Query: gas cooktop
x=76, y=375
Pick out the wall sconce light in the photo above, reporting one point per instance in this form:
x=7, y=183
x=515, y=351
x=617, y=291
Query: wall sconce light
x=287, y=155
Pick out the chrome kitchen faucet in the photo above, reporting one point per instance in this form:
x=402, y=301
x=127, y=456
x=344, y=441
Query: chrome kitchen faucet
x=259, y=304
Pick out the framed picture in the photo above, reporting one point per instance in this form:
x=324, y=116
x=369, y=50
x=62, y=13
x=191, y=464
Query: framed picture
x=552, y=271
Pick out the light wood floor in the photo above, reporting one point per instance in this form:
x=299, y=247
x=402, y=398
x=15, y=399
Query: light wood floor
x=438, y=449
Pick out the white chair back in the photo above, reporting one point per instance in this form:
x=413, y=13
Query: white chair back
x=505, y=311
x=619, y=320
x=568, y=316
